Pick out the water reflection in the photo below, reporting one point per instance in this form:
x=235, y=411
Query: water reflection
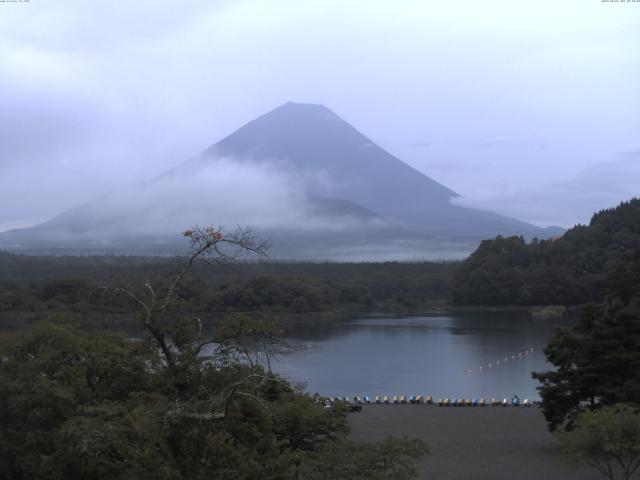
x=469, y=355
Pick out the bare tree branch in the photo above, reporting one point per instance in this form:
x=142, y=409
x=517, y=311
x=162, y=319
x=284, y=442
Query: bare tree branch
x=207, y=244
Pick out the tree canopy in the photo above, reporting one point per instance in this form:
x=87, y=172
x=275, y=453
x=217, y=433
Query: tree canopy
x=99, y=405
x=607, y=439
x=586, y=264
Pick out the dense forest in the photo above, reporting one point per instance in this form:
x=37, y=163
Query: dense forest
x=587, y=264
x=31, y=287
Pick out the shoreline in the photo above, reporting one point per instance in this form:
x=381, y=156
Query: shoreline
x=480, y=443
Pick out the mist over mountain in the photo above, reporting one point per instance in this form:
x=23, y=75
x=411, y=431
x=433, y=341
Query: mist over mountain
x=299, y=175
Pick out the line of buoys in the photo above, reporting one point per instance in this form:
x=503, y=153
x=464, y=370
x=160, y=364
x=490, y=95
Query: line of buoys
x=504, y=361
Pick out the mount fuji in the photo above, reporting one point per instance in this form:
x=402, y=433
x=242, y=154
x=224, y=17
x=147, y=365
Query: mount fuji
x=298, y=175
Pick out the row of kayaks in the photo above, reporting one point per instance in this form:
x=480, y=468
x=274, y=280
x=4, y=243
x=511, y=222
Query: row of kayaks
x=429, y=400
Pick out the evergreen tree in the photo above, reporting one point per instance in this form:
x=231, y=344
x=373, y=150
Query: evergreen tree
x=597, y=362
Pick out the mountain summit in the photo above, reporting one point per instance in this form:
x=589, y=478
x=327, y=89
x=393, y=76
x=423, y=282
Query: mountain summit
x=300, y=175
x=313, y=138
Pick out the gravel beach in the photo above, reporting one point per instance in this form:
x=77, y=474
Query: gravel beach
x=478, y=443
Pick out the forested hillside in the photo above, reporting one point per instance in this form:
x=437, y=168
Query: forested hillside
x=586, y=264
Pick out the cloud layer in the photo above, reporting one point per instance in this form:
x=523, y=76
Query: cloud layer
x=223, y=192
x=568, y=202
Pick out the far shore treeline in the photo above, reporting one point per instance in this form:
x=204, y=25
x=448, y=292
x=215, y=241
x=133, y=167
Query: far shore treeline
x=32, y=287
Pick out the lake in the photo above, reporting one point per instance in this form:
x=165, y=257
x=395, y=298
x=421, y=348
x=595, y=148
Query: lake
x=482, y=354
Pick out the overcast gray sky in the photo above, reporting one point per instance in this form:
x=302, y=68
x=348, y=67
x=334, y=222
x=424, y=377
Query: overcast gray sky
x=527, y=108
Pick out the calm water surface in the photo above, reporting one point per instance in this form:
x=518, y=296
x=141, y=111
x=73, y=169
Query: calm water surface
x=438, y=355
